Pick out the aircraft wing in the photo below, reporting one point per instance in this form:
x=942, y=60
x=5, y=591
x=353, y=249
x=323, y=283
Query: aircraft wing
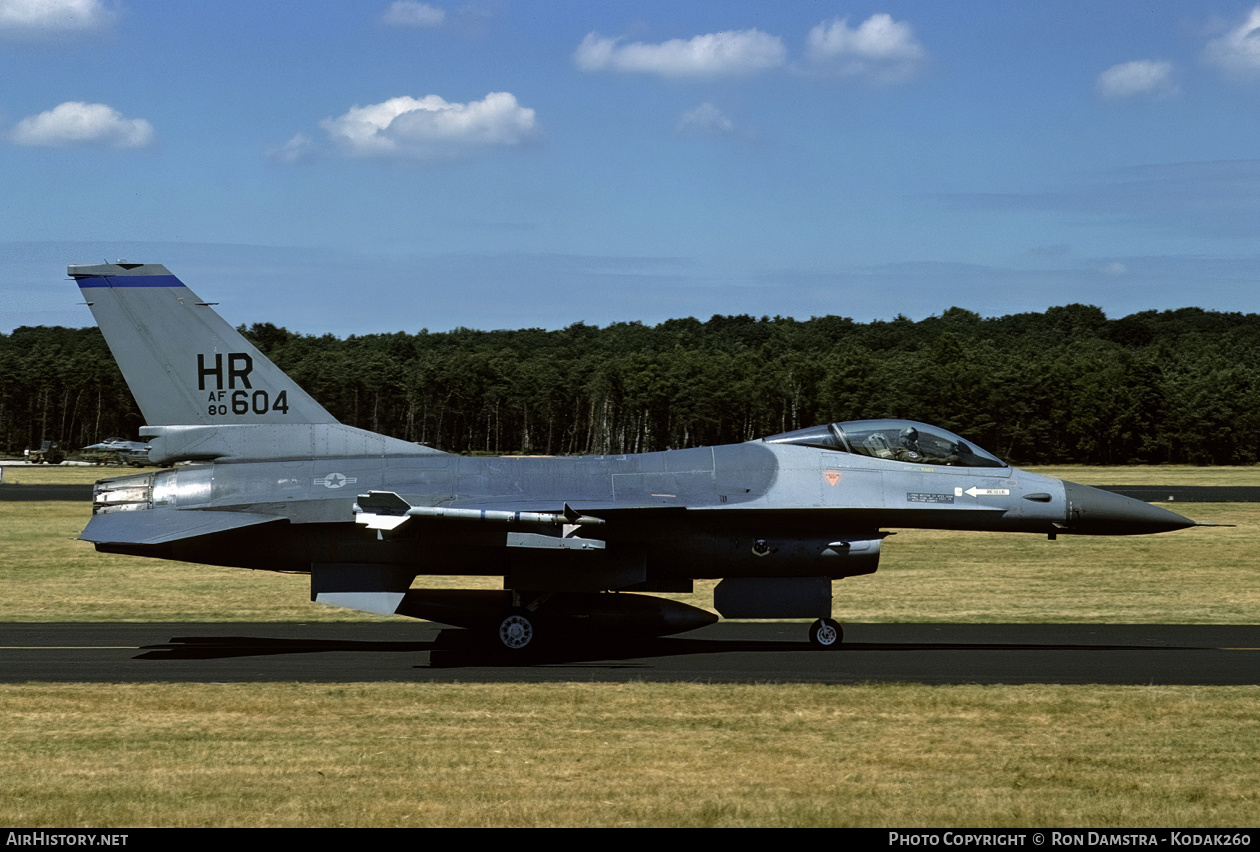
x=158, y=526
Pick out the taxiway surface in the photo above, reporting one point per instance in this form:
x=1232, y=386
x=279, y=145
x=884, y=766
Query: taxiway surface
x=729, y=652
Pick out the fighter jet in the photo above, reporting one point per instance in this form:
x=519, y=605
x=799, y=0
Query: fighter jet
x=122, y=450
x=272, y=481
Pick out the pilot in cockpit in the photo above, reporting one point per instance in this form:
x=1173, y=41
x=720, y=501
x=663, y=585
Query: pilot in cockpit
x=910, y=449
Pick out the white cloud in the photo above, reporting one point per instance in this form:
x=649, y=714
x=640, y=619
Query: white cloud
x=705, y=119
x=430, y=127
x=1130, y=79
x=40, y=17
x=406, y=13
x=1115, y=268
x=1238, y=51
x=721, y=54
x=77, y=123
x=881, y=49
x=296, y=149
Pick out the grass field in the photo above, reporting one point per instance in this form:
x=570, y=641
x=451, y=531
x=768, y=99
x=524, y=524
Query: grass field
x=567, y=754
x=649, y=754
x=43, y=474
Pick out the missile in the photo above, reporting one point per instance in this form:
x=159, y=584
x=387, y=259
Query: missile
x=385, y=510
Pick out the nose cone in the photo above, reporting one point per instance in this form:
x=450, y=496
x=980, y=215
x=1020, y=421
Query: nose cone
x=1092, y=511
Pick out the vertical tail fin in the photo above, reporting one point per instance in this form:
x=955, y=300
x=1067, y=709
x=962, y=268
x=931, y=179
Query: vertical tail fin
x=206, y=393
x=185, y=365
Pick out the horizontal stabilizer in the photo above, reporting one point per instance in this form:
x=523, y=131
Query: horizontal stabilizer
x=158, y=526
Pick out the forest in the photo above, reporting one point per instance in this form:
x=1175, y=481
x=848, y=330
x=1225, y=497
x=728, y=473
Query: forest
x=1066, y=385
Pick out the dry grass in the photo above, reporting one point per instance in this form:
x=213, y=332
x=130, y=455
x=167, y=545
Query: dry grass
x=1202, y=575
x=627, y=755
x=43, y=474
x=47, y=574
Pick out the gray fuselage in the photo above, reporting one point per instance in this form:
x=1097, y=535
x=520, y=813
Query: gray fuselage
x=752, y=509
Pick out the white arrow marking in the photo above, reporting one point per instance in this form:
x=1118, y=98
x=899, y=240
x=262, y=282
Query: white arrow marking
x=987, y=492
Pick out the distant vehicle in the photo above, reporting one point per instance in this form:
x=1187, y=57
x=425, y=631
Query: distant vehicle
x=121, y=451
x=49, y=452
x=280, y=485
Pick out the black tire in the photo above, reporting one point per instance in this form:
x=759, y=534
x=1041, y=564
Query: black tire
x=826, y=634
x=516, y=631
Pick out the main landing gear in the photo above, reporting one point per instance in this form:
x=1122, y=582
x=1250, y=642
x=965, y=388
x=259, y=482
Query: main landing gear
x=826, y=633
x=516, y=630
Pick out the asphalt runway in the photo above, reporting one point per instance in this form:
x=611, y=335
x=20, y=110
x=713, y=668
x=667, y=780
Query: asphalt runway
x=1188, y=493
x=31, y=493
x=729, y=652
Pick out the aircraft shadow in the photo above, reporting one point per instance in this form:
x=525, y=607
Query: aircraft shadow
x=618, y=654
x=224, y=647
x=455, y=648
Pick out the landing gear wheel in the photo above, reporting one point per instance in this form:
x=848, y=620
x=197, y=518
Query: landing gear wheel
x=826, y=633
x=516, y=630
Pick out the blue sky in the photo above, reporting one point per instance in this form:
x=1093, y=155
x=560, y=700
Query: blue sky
x=356, y=167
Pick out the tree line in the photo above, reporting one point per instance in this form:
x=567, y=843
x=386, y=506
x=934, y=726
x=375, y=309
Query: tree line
x=1065, y=385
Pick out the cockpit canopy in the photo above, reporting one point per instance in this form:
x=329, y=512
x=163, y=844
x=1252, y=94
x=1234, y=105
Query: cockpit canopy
x=896, y=440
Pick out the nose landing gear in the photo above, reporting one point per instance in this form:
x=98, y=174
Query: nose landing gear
x=826, y=633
